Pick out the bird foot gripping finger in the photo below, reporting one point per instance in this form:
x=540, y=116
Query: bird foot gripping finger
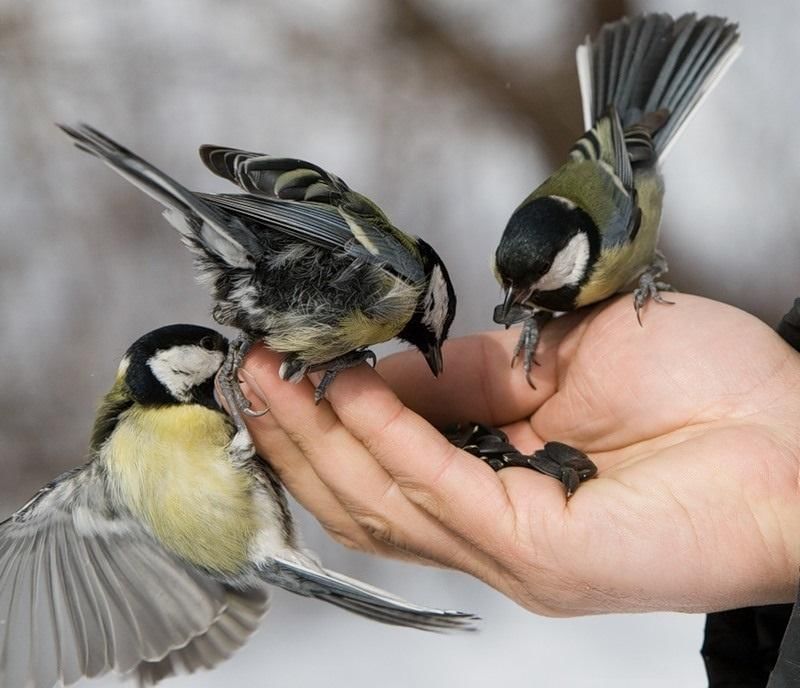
x=236, y=354
x=337, y=365
x=566, y=464
x=650, y=287
x=228, y=381
x=528, y=342
x=241, y=448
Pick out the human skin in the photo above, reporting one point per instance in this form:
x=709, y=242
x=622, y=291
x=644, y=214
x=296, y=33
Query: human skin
x=693, y=421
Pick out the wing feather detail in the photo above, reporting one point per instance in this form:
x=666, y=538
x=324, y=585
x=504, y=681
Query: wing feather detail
x=85, y=589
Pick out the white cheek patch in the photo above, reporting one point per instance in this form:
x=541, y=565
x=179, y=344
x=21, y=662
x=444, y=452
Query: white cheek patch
x=436, y=303
x=180, y=368
x=568, y=267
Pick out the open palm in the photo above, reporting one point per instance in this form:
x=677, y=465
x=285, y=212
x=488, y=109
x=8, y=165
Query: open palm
x=691, y=419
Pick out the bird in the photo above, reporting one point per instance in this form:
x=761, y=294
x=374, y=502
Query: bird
x=591, y=229
x=154, y=557
x=299, y=261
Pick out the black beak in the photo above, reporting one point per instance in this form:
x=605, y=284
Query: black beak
x=434, y=358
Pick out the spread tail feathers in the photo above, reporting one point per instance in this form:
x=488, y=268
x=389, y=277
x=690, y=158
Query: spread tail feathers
x=310, y=580
x=202, y=225
x=654, y=62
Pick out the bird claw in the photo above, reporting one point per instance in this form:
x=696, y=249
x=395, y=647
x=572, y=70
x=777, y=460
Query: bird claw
x=529, y=336
x=335, y=366
x=528, y=341
x=650, y=287
x=253, y=385
x=228, y=380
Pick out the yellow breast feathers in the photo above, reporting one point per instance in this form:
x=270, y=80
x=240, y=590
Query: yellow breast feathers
x=171, y=468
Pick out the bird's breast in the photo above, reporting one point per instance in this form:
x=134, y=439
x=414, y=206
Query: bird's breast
x=170, y=466
x=328, y=330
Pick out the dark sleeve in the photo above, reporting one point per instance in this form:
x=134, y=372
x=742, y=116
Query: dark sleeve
x=740, y=646
x=787, y=668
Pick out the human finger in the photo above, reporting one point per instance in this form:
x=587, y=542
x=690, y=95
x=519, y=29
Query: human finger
x=366, y=491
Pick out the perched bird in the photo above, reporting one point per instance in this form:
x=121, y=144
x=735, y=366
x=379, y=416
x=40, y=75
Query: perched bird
x=154, y=556
x=301, y=262
x=591, y=229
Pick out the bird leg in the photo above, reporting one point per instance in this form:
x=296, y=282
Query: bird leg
x=241, y=448
x=228, y=378
x=566, y=464
x=649, y=286
x=529, y=340
x=293, y=369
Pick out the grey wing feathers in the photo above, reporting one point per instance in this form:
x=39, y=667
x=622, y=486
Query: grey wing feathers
x=84, y=590
x=620, y=162
x=243, y=612
x=286, y=178
x=608, y=144
x=651, y=63
x=312, y=581
x=327, y=227
x=216, y=232
x=316, y=224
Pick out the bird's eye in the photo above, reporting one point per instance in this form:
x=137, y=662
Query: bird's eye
x=208, y=343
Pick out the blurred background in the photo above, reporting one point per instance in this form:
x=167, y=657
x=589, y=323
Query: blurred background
x=446, y=112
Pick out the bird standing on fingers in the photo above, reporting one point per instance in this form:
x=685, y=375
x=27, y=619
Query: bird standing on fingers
x=300, y=261
x=591, y=229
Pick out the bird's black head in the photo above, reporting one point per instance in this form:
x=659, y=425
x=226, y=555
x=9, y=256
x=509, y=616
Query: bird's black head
x=435, y=310
x=175, y=364
x=546, y=254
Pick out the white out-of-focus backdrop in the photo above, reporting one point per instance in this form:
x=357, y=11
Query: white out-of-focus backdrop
x=446, y=112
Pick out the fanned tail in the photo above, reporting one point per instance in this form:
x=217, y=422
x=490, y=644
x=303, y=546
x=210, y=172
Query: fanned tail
x=653, y=63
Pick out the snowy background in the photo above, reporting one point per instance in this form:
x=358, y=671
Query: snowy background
x=446, y=112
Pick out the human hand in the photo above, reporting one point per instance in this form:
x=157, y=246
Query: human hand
x=692, y=421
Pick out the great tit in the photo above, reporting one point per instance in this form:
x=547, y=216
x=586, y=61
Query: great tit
x=591, y=229
x=300, y=261
x=154, y=556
